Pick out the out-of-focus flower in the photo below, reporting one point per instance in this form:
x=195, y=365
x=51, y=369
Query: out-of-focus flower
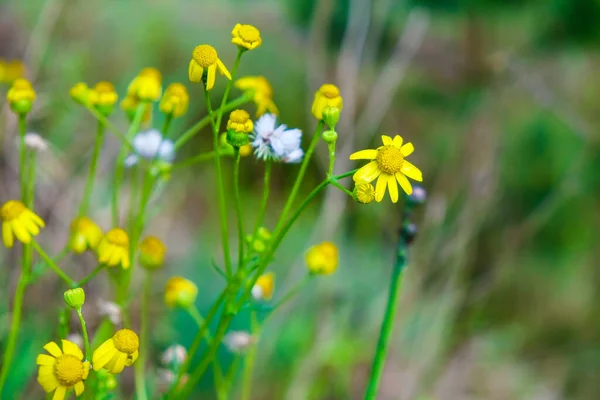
x=246, y=36
x=328, y=95
x=21, y=96
x=151, y=145
x=19, y=221
x=85, y=235
x=35, y=142
x=206, y=59
x=83, y=94
x=146, y=86
x=264, y=287
x=262, y=93
x=388, y=166
x=110, y=310
x=152, y=252
x=276, y=142
x=238, y=341
x=174, y=355
x=175, y=101
x=105, y=97
x=364, y=192
x=11, y=71
x=62, y=369
x=118, y=352
x=322, y=259
x=113, y=249
x=180, y=292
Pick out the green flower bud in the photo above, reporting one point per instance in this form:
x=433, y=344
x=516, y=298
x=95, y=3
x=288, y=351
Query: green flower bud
x=75, y=298
x=237, y=139
x=330, y=136
x=264, y=233
x=259, y=246
x=331, y=116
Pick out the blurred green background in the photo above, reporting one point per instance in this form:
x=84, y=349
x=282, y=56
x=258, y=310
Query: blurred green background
x=499, y=98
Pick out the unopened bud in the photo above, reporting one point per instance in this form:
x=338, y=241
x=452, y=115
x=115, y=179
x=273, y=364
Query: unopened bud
x=329, y=136
x=75, y=298
x=331, y=116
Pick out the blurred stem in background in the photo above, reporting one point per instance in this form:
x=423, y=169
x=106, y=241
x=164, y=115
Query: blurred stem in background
x=249, y=359
x=139, y=368
x=265, y=197
x=89, y=185
x=238, y=206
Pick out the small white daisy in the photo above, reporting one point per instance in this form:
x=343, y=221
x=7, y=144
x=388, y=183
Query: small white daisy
x=150, y=145
x=276, y=142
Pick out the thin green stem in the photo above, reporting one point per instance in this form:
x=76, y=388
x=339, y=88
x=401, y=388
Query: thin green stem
x=23, y=157
x=238, y=206
x=331, y=147
x=52, y=265
x=249, y=359
x=140, y=376
x=292, y=293
x=194, y=160
x=86, y=340
x=31, y=180
x=167, y=125
x=342, y=188
x=92, y=274
x=265, y=197
x=89, y=185
x=236, y=64
x=125, y=140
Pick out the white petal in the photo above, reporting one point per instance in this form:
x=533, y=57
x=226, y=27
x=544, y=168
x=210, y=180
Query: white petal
x=131, y=160
x=167, y=151
x=294, y=157
x=265, y=125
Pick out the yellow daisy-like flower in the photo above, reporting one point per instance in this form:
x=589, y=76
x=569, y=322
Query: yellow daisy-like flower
x=180, y=292
x=106, y=94
x=11, y=71
x=240, y=122
x=328, y=95
x=152, y=252
x=388, y=166
x=62, y=370
x=21, y=96
x=113, y=249
x=175, y=100
x=262, y=93
x=205, y=58
x=19, y=221
x=118, y=352
x=145, y=88
x=246, y=36
x=85, y=234
x=82, y=94
x=322, y=258
x=264, y=287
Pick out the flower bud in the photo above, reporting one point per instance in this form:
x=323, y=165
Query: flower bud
x=152, y=253
x=264, y=233
x=180, y=292
x=237, y=139
x=175, y=100
x=328, y=95
x=246, y=150
x=75, y=298
x=239, y=121
x=258, y=246
x=363, y=192
x=322, y=258
x=21, y=96
x=331, y=116
x=105, y=98
x=329, y=136
x=82, y=94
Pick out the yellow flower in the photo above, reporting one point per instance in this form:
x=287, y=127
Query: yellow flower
x=85, y=234
x=21, y=96
x=106, y=94
x=113, y=249
x=205, y=57
x=328, y=95
x=364, y=192
x=246, y=36
x=11, y=71
x=62, y=370
x=175, y=100
x=246, y=150
x=152, y=252
x=388, y=166
x=262, y=93
x=240, y=122
x=180, y=292
x=264, y=287
x=145, y=88
x=118, y=352
x=322, y=258
x=19, y=221
x=82, y=94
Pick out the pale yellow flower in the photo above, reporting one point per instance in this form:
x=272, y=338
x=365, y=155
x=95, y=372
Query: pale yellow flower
x=180, y=292
x=113, y=249
x=328, y=95
x=240, y=122
x=105, y=94
x=205, y=58
x=19, y=221
x=322, y=258
x=21, y=96
x=246, y=36
x=152, y=252
x=85, y=235
x=62, y=370
x=262, y=93
x=364, y=192
x=175, y=100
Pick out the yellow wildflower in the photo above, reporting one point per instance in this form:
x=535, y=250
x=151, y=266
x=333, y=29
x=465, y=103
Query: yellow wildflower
x=118, y=352
x=246, y=36
x=152, y=252
x=106, y=94
x=262, y=93
x=21, y=96
x=180, y=292
x=322, y=258
x=205, y=58
x=11, y=71
x=175, y=100
x=328, y=95
x=145, y=88
x=240, y=122
x=62, y=370
x=388, y=166
x=82, y=94
x=85, y=234
x=364, y=192
x=264, y=287
x=19, y=221
x=113, y=249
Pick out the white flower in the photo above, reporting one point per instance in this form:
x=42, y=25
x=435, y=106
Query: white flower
x=174, y=354
x=238, y=341
x=276, y=142
x=110, y=310
x=35, y=142
x=150, y=145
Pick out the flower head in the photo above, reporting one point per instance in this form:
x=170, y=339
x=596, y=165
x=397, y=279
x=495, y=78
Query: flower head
x=264, y=287
x=322, y=258
x=35, y=142
x=180, y=292
x=146, y=86
x=175, y=101
x=150, y=145
x=328, y=95
x=388, y=166
x=262, y=93
x=83, y=94
x=113, y=249
x=118, y=352
x=19, y=221
x=246, y=36
x=205, y=58
x=11, y=71
x=276, y=142
x=62, y=370
x=238, y=341
x=152, y=252
x=105, y=97
x=85, y=235
x=239, y=121
x=21, y=96
x=364, y=192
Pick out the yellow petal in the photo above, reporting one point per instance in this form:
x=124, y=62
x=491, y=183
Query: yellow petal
x=380, y=188
x=72, y=348
x=45, y=359
x=7, y=235
x=36, y=219
x=20, y=231
x=86, y=369
x=79, y=387
x=53, y=349
x=386, y=140
x=411, y=171
x=119, y=363
x=105, y=349
x=210, y=79
x=407, y=149
x=30, y=226
x=46, y=370
x=60, y=393
x=397, y=142
x=367, y=173
x=369, y=154
x=404, y=183
x=103, y=360
x=222, y=69
x=48, y=382
x=392, y=187
x=195, y=72
x=115, y=257
x=125, y=260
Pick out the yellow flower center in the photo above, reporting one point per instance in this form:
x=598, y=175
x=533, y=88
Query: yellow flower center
x=330, y=91
x=117, y=237
x=68, y=370
x=239, y=116
x=126, y=341
x=390, y=159
x=248, y=33
x=205, y=55
x=11, y=210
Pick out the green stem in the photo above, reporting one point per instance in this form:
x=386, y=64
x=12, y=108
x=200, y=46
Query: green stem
x=265, y=198
x=92, y=274
x=89, y=185
x=84, y=331
x=331, y=147
x=238, y=206
x=194, y=160
x=52, y=265
x=249, y=359
x=23, y=157
x=31, y=180
x=140, y=376
x=126, y=141
x=197, y=317
x=293, y=292
x=167, y=125
x=342, y=188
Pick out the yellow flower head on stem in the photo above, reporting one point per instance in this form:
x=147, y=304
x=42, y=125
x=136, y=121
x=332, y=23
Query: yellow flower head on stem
x=180, y=292
x=246, y=36
x=240, y=122
x=105, y=97
x=264, y=287
x=130, y=103
x=175, y=100
x=364, y=192
x=113, y=249
x=322, y=258
x=21, y=96
x=11, y=71
x=62, y=370
x=19, y=221
x=262, y=93
x=328, y=95
x=118, y=352
x=205, y=58
x=152, y=252
x=85, y=235
x=82, y=94
x=146, y=86
x=389, y=167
